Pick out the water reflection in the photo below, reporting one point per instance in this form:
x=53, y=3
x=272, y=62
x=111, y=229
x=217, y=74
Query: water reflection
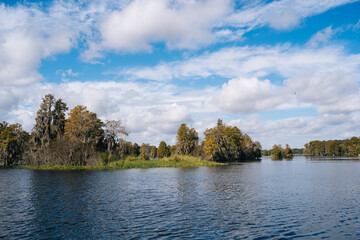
x=267, y=199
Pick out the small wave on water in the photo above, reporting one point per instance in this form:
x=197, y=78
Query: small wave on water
x=297, y=199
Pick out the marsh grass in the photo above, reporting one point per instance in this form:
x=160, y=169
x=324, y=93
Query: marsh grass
x=176, y=161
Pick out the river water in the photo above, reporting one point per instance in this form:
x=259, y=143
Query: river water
x=303, y=198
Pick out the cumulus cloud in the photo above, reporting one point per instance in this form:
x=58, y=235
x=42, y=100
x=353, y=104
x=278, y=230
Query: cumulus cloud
x=153, y=112
x=311, y=77
x=180, y=24
x=328, y=88
x=138, y=24
x=28, y=34
x=247, y=95
x=331, y=92
x=298, y=131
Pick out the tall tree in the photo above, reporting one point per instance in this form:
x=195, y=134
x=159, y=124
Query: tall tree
x=162, y=150
x=257, y=149
x=49, y=121
x=145, y=150
x=83, y=126
x=225, y=143
x=43, y=120
x=13, y=143
x=85, y=130
x=114, y=132
x=153, y=151
x=186, y=140
x=59, y=118
x=288, y=153
x=135, y=150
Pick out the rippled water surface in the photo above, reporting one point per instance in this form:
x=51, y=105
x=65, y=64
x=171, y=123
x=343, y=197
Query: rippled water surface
x=304, y=198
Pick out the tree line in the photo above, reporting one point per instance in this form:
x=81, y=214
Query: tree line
x=83, y=139
x=348, y=147
x=295, y=151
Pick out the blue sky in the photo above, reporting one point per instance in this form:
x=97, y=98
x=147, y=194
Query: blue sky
x=282, y=71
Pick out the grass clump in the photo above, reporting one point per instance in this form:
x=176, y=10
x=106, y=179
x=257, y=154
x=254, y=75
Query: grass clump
x=173, y=161
x=176, y=161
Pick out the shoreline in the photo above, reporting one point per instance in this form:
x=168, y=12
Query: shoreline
x=179, y=162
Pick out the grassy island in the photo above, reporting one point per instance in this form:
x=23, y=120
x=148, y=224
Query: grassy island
x=176, y=161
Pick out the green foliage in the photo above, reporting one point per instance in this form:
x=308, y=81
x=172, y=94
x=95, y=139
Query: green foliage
x=58, y=126
x=277, y=152
x=83, y=126
x=347, y=147
x=288, y=153
x=173, y=161
x=153, y=152
x=144, y=156
x=145, y=148
x=186, y=140
x=147, y=152
x=225, y=144
x=13, y=143
x=49, y=121
x=299, y=151
x=114, y=133
x=171, y=150
x=162, y=150
x=179, y=161
x=84, y=130
x=135, y=150
x=265, y=152
x=106, y=158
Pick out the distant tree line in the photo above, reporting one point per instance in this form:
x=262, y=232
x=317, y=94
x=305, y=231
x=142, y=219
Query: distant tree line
x=298, y=151
x=83, y=139
x=295, y=151
x=348, y=147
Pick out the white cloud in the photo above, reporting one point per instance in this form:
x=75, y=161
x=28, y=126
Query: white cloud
x=297, y=131
x=246, y=62
x=138, y=24
x=180, y=24
x=151, y=112
x=322, y=36
x=67, y=73
x=328, y=88
x=312, y=77
x=28, y=35
x=331, y=92
x=348, y=104
x=280, y=15
x=227, y=35
x=247, y=95
x=356, y=26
